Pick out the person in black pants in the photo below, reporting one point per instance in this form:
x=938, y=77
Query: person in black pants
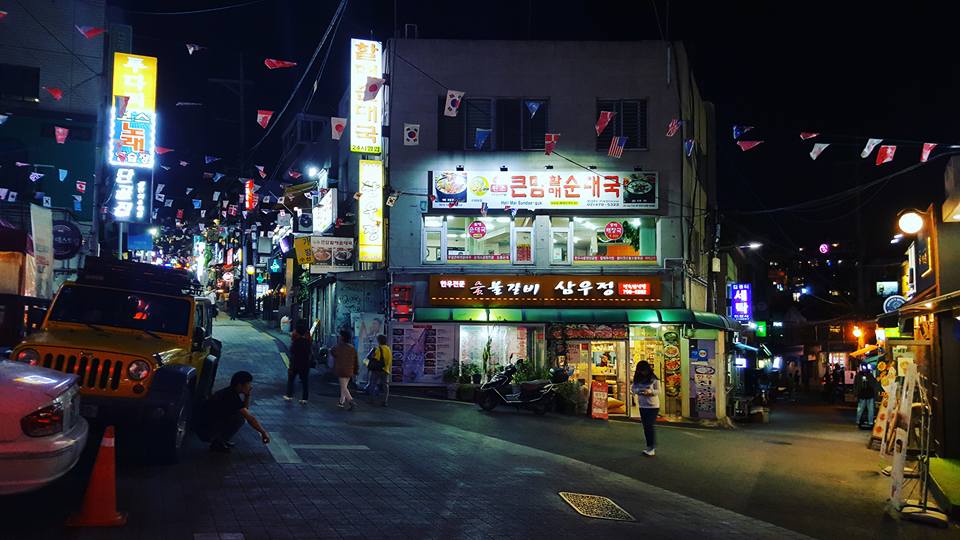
x=228, y=409
x=300, y=347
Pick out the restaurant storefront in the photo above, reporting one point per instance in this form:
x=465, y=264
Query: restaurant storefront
x=599, y=326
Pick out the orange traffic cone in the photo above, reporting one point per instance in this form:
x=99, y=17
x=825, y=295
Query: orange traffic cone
x=100, y=502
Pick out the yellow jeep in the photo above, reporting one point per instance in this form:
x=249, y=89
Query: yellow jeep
x=140, y=338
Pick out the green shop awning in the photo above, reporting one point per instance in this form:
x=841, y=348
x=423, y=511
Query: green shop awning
x=606, y=316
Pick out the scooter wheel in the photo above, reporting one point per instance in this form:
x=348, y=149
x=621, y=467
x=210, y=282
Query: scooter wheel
x=487, y=401
x=540, y=408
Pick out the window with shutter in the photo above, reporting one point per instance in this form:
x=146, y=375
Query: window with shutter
x=534, y=128
x=612, y=129
x=478, y=114
x=630, y=120
x=508, y=125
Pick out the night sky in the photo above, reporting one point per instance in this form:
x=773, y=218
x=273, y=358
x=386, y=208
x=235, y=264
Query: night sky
x=848, y=72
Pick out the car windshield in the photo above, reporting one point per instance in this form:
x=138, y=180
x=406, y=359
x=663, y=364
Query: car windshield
x=123, y=309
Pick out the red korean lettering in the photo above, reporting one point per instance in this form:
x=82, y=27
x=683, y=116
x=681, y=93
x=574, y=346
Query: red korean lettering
x=570, y=188
x=535, y=189
x=518, y=186
x=611, y=184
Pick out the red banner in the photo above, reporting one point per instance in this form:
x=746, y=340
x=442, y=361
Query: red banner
x=598, y=401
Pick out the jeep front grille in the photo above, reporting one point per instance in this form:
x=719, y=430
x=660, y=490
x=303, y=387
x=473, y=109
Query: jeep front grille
x=92, y=372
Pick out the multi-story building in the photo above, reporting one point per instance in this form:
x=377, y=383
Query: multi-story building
x=499, y=249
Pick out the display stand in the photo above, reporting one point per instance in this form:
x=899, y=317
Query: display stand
x=923, y=510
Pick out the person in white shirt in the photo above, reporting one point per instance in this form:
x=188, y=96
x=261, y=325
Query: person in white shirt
x=647, y=387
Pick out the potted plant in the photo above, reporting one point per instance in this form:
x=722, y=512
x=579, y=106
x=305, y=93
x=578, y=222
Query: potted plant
x=451, y=377
x=485, y=358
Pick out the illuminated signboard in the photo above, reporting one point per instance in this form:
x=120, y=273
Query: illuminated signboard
x=539, y=190
x=366, y=117
x=741, y=308
x=133, y=133
x=370, y=211
x=573, y=291
x=131, y=195
x=331, y=254
x=325, y=211
x=248, y=195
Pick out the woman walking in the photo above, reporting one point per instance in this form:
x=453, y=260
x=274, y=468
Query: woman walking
x=300, y=348
x=345, y=366
x=647, y=387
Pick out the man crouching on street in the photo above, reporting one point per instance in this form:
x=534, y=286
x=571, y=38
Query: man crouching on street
x=226, y=411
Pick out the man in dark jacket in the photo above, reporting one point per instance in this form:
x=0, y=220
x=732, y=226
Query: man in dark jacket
x=227, y=410
x=865, y=387
x=300, y=349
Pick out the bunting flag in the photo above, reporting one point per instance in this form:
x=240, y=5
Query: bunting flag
x=3, y=14
x=232, y=209
x=337, y=125
x=81, y=186
x=77, y=198
x=208, y=175
x=925, y=152
x=61, y=134
x=160, y=197
x=165, y=167
x=481, y=137
x=357, y=195
x=90, y=32
x=193, y=47
x=12, y=196
x=189, y=190
x=3, y=194
x=217, y=177
x=21, y=164
x=452, y=106
x=260, y=170
x=120, y=104
x=46, y=201
x=550, y=141
x=180, y=213
x=210, y=159
x=3, y=118
x=411, y=134
x=818, y=149
x=513, y=212
x=203, y=213
x=196, y=204
x=533, y=107
x=807, y=135
x=162, y=150
x=748, y=145
x=263, y=117
x=266, y=199
x=273, y=63
x=216, y=195
x=189, y=104
x=392, y=199
x=294, y=174
x=374, y=84
x=673, y=127
x=183, y=163
x=885, y=154
x=688, y=147
x=54, y=92
x=168, y=203
x=77, y=206
x=738, y=131
x=871, y=144
x=160, y=188
x=616, y=147
x=604, y=120
x=35, y=176
x=63, y=174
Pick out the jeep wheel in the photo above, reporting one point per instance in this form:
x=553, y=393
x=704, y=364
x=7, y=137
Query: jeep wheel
x=172, y=433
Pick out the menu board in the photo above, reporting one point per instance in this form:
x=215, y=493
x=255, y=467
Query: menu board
x=703, y=375
x=598, y=403
x=331, y=254
x=671, y=364
x=421, y=352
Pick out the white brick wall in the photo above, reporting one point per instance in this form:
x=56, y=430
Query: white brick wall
x=27, y=41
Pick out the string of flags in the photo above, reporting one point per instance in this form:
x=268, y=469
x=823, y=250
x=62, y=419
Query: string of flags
x=263, y=117
x=90, y=32
x=273, y=63
x=337, y=126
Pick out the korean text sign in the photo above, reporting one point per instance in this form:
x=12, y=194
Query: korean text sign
x=370, y=211
x=543, y=190
x=366, y=116
x=569, y=291
x=741, y=298
x=133, y=126
x=131, y=195
x=331, y=254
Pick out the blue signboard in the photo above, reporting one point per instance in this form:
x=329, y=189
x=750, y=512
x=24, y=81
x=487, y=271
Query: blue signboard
x=741, y=302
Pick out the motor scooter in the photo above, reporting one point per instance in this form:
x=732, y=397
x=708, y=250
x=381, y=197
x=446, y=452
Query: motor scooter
x=535, y=395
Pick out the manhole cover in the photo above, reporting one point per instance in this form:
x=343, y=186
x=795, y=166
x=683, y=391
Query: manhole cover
x=596, y=506
x=375, y=423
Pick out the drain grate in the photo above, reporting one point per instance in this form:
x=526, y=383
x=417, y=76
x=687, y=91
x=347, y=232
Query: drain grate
x=596, y=506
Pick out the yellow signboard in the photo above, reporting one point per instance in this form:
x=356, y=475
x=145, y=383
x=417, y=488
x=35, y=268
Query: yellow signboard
x=370, y=211
x=133, y=119
x=366, y=116
x=303, y=249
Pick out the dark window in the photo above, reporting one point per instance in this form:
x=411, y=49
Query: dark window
x=19, y=83
x=77, y=133
x=121, y=309
x=630, y=121
x=509, y=118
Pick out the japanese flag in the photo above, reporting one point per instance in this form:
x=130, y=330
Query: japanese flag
x=374, y=84
x=454, y=98
x=263, y=117
x=411, y=134
x=61, y=134
x=885, y=154
x=868, y=149
x=336, y=127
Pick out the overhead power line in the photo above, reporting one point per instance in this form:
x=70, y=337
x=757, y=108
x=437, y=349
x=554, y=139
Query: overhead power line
x=198, y=11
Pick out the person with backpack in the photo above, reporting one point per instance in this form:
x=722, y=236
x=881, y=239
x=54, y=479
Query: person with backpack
x=300, y=348
x=379, y=362
x=647, y=387
x=865, y=387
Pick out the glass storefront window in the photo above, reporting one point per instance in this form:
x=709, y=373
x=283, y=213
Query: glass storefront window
x=478, y=239
x=507, y=344
x=615, y=239
x=433, y=245
x=560, y=240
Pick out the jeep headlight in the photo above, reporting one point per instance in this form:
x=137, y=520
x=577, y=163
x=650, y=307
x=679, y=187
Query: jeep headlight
x=138, y=370
x=28, y=356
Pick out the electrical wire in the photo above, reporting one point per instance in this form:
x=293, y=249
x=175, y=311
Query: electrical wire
x=198, y=11
x=54, y=36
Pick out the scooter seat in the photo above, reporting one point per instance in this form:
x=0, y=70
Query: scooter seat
x=533, y=386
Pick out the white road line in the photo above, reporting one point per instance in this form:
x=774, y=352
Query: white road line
x=329, y=447
x=286, y=361
x=281, y=450
x=695, y=435
x=433, y=399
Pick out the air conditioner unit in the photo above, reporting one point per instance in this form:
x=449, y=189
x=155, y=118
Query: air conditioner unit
x=303, y=222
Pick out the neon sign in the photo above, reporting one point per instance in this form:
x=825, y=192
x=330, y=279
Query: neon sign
x=133, y=126
x=741, y=308
x=366, y=116
x=130, y=196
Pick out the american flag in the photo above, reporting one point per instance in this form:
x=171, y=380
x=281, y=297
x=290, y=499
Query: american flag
x=673, y=127
x=616, y=147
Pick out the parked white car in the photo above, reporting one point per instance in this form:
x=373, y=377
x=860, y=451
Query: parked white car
x=41, y=431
